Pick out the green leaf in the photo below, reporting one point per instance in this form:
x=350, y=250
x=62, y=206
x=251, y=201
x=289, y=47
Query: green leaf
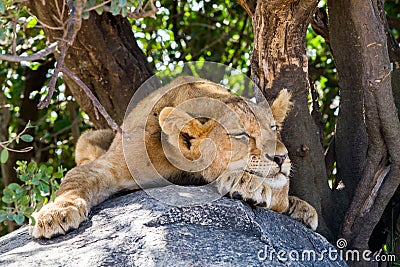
x=39, y=206
x=19, y=218
x=2, y=7
x=124, y=12
x=4, y=156
x=3, y=215
x=31, y=23
x=53, y=196
x=42, y=168
x=100, y=10
x=7, y=199
x=122, y=3
x=91, y=3
x=14, y=186
x=55, y=184
x=31, y=167
x=21, y=164
x=27, y=138
x=38, y=197
x=18, y=196
x=35, y=179
x=44, y=188
x=115, y=8
x=8, y=192
x=32, y=221
x=85, y=15
x=23, y=178
x=3, y=33
x=25, y=201
x=29, y=211
x=58, y=175
x=49, y=171
x=21, y=190
x=44, y=179
x=34, y=65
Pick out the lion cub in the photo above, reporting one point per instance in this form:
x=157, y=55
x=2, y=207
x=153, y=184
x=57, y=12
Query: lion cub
x=245, y=157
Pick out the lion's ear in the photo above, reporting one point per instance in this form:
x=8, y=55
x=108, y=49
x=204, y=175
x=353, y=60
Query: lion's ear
x=174, y=121
x=281, y=106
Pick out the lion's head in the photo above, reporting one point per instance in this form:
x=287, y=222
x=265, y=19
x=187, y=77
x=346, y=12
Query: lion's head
x=212, y=132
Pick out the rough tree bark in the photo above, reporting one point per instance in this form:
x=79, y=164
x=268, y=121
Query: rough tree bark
x=105, y=56
x=279, y=61
x=394, y=55
x=351, y=136
x=373, y=183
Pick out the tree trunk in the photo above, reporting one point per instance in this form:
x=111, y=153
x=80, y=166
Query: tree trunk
x=394, y=55
x=105, y=56
x=351, y=136
x=279, y=61
x=366, y=83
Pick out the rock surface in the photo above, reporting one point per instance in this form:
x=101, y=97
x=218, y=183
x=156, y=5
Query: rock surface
x=137, y=230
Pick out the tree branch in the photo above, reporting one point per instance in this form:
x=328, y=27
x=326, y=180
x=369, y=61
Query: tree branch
x=393, y=23
x=382, y=123
x=319, y=24
x=330, y=158
x=73, y=26
x=249, y=6
x=37, y=56
x=379, y=178
x=97, y=105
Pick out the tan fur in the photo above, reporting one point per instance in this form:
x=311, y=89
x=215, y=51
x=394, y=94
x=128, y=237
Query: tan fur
x=245, y=166
x=92, y=144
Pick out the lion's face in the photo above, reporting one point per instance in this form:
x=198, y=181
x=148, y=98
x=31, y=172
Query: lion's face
x=244, y=136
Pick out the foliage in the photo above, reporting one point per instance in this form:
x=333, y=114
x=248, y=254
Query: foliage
x=27, y=138
x=39, y=184
x=22, y=86
x=115, y=7
x=218, y=31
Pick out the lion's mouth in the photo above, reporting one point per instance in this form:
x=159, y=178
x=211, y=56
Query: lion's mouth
x=262, y=175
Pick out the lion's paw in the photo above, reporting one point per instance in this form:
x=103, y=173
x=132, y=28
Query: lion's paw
x=246, y=187
x=301, y=211
x=57, y=218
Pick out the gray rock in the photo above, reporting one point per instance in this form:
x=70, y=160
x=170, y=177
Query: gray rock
x=137, y=230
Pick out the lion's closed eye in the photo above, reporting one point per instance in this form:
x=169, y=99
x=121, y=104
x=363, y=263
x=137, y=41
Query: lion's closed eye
x=243, y=136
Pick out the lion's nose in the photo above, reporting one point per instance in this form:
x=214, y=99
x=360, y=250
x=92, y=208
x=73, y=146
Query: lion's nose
x=279, y=159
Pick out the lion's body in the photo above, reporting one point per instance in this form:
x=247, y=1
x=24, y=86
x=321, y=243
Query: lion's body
x=245, y=163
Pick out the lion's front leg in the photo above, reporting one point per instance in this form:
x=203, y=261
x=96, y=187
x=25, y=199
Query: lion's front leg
x=58, y=217
x=83, y=187
x=301, y=211
x=244, y=186
x=78, y=192
x=250, y=188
